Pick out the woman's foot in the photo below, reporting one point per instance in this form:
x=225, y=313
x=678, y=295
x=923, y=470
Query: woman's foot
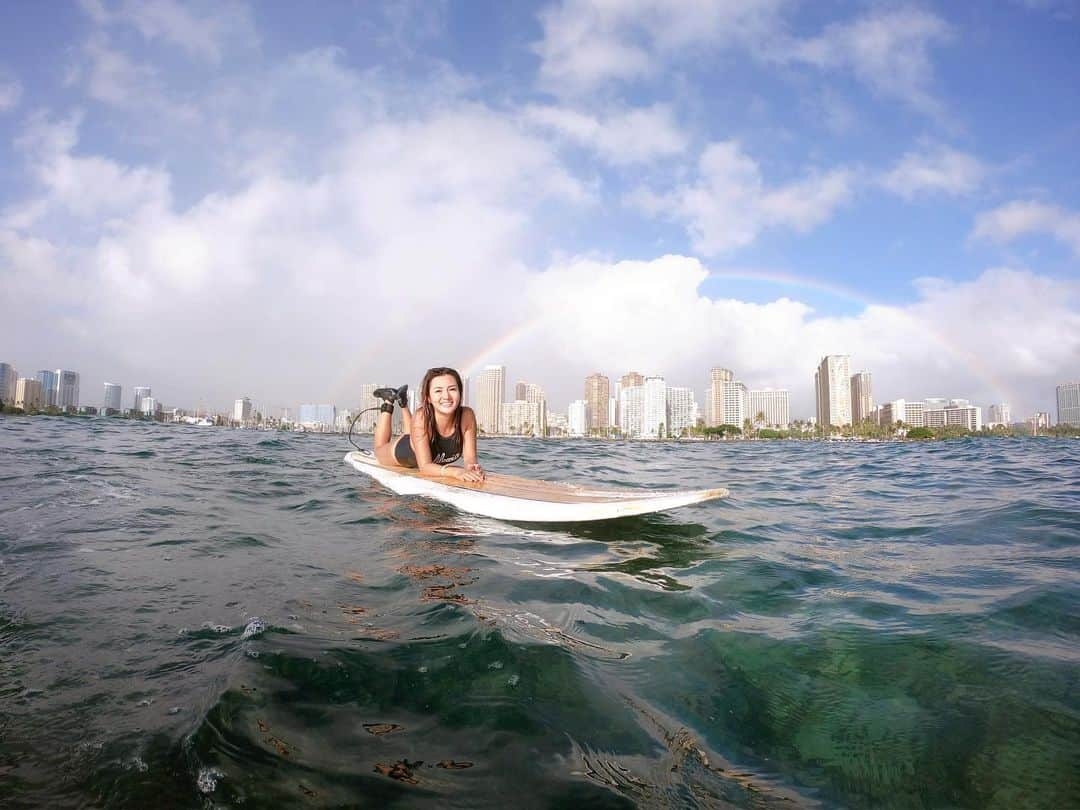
x=392, y=395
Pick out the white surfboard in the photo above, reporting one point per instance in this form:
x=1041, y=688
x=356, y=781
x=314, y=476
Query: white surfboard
x=508, y=497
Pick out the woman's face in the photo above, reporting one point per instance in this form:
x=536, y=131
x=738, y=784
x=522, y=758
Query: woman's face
x=444, y=394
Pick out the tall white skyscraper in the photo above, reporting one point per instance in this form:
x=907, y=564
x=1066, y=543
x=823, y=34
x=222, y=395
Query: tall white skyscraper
x=862, y=397
x=140, y=392
x=999, y=414
x=28, y=395
x=489, y=397
x=769, y=407
x=67, y=389
x=682, y=410
x=48, y=382
x=1068, y=404
x=715, y=397
x=9, y=379
x=654, y=408
x=631, y=405
x=577, y=418
x=242, y=410
x=832, y=386
x=735, y=404
x=111, y=400
x=534, y=395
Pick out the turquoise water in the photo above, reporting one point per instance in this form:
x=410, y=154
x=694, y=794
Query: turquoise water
x=202, y=617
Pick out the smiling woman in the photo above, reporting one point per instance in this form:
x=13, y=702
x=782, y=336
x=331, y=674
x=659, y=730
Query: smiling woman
x=440, y=433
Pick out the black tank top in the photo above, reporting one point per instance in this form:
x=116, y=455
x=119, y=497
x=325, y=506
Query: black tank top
x=445, y=449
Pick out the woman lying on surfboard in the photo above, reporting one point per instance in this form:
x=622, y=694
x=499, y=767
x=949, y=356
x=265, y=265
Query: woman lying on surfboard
x=441, y=432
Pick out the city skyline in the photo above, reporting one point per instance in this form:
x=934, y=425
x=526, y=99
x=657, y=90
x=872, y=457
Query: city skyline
x=752, y=185
x=529, y=406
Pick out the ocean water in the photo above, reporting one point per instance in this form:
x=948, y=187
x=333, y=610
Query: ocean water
x=213, y=618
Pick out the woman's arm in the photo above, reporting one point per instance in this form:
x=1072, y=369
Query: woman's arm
x=468, y=442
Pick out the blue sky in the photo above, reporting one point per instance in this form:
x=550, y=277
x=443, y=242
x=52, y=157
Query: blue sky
x=230, y=199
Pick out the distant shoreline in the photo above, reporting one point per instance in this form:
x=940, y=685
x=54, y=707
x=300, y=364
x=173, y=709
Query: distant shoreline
x=1058, y=431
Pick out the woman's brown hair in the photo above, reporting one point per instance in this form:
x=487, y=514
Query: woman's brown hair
x=429, y=411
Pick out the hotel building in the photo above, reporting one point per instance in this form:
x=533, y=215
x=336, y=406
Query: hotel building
x=597, y=393
x=862, y=397
x=714, y=395
x=28, y=394
x=681, y=410
x=47, y=379
x=577, y=423
x=242, y=410
x=769, y=407
x=489, y=397
x=654, y=420
x=1068, y=404
x=139, y=394
x=832, y=386
x=67, y=390
x=631, y=405
x=111, y=400
x=999, y=414
x=9, y=379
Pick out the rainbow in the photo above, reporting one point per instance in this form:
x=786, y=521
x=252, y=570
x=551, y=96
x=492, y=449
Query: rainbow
x=497, y=350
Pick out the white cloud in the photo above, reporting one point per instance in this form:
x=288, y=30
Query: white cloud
x=887, y=50
x=1024, y=217
x=400, y=250
x=620, y=137
x=84, y=186
x=10, y=91
x=589, y=42
x=205, y=30
x=652, y=316
x=729, y=205
x=939, y=169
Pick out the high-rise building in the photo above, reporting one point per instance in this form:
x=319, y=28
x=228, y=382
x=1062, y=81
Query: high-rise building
x=631, y=404
x=681, y=410
x=597, y=393
x=911, y=413
x=242, y=410
x=735, y=403
x=150, y=407
x=1068, y=404
x=140, y=392
x=318, y=417
x=9, y=379
x=489, y=397
x=654, y=421
x=48, y=382
x=715, y=395
x=832, y=386
x=521, y=418
x=966, y=416
x=519, y=390
x=111, y=401
x=862, y=397
x=577, y=422
x=67, y=389
x=630, y=379
x=999, y=414
x=769, y=407
x=534, y=395
x=28, y=394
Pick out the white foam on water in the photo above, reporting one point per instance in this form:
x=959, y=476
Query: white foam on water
x=208, y=779
x=254, y=628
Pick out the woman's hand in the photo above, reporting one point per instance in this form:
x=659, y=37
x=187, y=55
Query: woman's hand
x=473, y=472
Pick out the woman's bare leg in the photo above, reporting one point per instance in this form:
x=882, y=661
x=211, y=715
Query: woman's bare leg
x=385, y=443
